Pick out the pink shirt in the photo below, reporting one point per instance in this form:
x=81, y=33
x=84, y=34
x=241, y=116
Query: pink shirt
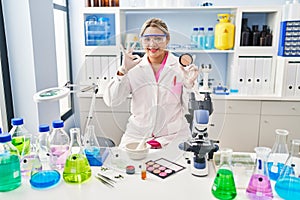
x=157, y=74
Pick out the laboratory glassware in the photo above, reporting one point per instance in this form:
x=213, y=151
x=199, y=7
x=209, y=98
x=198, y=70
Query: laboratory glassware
x=279, y=154
x=20, y=136
x=43, y=173
x=224, y=185
x=91, y=147
x=77, y=168
x=59, y=143
x=288, y=183
x=10, y=172
x=259, y=186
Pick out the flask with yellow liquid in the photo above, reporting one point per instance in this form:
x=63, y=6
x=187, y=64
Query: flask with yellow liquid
x=224, y=33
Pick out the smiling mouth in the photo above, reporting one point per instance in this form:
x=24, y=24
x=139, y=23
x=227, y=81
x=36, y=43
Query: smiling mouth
x=153, y=50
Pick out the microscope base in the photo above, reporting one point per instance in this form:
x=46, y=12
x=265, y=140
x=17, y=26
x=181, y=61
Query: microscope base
x=199, y=169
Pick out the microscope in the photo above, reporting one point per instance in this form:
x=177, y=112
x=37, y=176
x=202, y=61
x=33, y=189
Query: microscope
x=199, y=144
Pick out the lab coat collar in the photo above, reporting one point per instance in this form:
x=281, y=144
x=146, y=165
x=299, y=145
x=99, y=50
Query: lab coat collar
x=170, y=62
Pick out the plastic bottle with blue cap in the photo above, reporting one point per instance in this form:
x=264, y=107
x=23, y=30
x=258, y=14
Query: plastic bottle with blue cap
x=59, y=143
x=43, y=173
x=10, y=172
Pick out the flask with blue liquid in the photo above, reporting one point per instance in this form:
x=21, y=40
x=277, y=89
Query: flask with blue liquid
x=10, y=171
x=279, y=154
x=288, y=183
x=43, y=173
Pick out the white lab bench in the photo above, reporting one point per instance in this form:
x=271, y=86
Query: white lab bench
x=181, y=185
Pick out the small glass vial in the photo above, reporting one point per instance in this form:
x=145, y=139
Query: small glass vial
x=77, y=168
x=224, y=185
x=259, y=186
x=143, y=171
x=288, y=183
x=279, y=154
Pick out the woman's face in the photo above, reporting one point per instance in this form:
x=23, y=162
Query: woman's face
x=154, y=42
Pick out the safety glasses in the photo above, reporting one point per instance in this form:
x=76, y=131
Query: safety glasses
x=156, y=38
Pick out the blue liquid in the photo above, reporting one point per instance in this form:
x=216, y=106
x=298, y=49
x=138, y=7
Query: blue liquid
x=288, y=187
x=96, y=156
x=10, y=174
x=45, y=179
x=275, y=172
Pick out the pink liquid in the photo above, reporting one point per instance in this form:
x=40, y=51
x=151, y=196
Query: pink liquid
x=259, y=187
x=60, y=154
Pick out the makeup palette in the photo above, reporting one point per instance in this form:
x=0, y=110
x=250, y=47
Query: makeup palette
x=163, y=168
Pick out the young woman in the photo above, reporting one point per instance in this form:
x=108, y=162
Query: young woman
x=159, y=86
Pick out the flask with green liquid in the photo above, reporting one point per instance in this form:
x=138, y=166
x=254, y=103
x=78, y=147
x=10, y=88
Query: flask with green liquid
x=20, y=136
x=224, y=185
x=77, y=168
x=10, y=172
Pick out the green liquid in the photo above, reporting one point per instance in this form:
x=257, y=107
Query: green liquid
x=19, y=143
x=10, y=175
x=77, y=169
x=224, y=186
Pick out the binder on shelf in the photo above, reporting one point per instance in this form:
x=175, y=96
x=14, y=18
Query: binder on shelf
x=267, y=72
x=97, y=69
x=290, y=79
x=112, y=66
x=297, y=84
x=89, y=65
x=242, y=65
x=258, y=75
x=250, y=75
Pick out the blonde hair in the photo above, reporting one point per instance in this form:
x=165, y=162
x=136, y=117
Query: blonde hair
x=157, y=23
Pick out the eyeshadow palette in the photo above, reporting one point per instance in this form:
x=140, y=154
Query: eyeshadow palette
x=163, y=168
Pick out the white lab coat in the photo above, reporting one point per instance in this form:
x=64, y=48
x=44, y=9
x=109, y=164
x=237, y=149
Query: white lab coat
x=157, y=108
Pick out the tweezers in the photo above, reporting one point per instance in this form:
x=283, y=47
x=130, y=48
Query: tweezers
x=105, y=182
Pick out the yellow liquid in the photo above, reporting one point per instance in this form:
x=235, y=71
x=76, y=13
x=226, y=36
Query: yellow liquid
x=77, y=169
x=22, y=145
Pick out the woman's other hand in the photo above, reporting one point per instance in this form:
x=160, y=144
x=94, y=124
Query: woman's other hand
x=129, y=60
x=190, y=74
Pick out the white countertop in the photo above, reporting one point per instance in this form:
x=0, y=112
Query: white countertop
x=182, y=185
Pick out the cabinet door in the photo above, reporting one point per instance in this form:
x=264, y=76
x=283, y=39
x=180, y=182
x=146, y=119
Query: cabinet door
x=236, y=131
x=107, y=124
x=271, y=122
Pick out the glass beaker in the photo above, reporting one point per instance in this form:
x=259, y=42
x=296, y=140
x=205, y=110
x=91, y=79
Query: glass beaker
x=259, y=186
x=279, y=154
x=288, y=182
x=77, y=168
x=224, y=185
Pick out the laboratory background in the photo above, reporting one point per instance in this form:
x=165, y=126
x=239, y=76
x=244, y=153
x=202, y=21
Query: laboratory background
x=58, y=56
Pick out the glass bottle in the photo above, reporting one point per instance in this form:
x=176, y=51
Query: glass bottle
x=209, y=38
x=43, y=173
x=10, y=172
x=224, y=185
x=246, y=33
x=77, y=168
x=194, y=36
x=256, y=35
x=91, y=147
x=201, y=38
x=288, y=183
x=259, y=186
x=279, y=154
x=20, y=136
x=263, y=35
x=59, y=143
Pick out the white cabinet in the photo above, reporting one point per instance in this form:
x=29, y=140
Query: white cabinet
x=279, y=115
x=235, y=124
x=109, y=122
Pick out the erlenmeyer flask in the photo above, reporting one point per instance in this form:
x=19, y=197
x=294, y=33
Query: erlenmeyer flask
x=279, y=154
x=224, y=185
x=259, y=186
x=288, y=182
x=91, y=147
x=43, y=174
x=77, y=168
